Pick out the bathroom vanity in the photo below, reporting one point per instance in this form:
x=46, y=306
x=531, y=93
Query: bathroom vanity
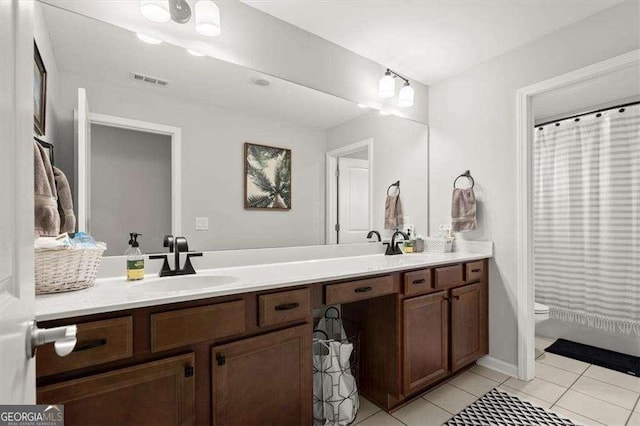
x=240, y=352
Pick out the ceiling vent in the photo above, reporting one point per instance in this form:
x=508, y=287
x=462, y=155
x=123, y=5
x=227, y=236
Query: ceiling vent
x=148, y=79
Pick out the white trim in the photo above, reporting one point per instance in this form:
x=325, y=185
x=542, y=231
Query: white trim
x=525, y=286
x=498, y=365
x=331, y=213
x=176, y=157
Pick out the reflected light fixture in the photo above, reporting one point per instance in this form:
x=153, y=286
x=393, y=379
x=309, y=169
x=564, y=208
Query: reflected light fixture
x=148, y=39
x=155, y=10
x=387, y=88
x=195, y=52
x=207, y=18
x=207, y=14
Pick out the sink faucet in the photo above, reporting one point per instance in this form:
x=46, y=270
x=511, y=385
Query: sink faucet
x=176, y=246
x=372, y=233
x=392, y=248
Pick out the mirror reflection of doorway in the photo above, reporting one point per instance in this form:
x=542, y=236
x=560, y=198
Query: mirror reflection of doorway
x=349, y=194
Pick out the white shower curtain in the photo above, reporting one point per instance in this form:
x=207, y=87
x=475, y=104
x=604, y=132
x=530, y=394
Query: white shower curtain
x=587, y=219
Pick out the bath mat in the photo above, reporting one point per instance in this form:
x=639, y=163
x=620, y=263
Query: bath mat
x=617, y=361
x=501, y=408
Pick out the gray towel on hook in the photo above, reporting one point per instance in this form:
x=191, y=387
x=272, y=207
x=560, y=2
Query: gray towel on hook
x=47, y=218
x=463, y=210
x=393, y=212
x=65, y=202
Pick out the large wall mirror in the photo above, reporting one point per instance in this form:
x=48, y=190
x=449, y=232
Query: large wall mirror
x=158, y=141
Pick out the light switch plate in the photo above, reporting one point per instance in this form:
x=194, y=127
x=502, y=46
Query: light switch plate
x=202, y=223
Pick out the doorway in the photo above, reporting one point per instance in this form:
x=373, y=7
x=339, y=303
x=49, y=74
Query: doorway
x=349, y=193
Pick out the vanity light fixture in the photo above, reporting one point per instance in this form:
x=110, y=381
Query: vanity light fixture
x=207, y=14
x=194, y=52
x=387, y=88
x=155, y=10
x=207, y=18
x=148, y=39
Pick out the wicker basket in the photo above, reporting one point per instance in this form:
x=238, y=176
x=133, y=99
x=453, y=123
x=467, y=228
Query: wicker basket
x=438, y=245
x=66, y=269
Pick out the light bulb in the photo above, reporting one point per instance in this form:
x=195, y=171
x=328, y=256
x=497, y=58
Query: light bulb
x=405, y=97
x=207, y=18
x=155, y=10
x=195, y=52
x=387, y=86
x=148, y=39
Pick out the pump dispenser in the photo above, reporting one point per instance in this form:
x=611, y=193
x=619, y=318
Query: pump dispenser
x=135, y=259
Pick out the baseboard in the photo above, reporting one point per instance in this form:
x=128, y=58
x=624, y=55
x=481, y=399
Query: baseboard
x=498, y=365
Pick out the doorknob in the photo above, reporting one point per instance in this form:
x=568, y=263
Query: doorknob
x=63, y=338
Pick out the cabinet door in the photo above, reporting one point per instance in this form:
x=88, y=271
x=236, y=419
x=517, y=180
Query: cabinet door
x=468, y=325
x=264, y=380
x=426, y=340
x=154, y=393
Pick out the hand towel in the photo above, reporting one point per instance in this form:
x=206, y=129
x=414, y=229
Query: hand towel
x=393, y=212
x=47, y=218
x=65, y=202
x=463, y=210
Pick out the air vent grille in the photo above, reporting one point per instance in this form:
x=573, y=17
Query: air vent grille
x=136, y=76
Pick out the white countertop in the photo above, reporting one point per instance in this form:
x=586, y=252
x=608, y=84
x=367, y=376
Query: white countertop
x=114, y=294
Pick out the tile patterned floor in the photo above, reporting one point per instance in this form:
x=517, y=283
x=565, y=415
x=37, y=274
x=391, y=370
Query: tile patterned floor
x=587, y=394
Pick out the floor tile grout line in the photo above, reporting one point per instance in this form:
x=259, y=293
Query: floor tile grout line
x=612, y=384
x=577, y=414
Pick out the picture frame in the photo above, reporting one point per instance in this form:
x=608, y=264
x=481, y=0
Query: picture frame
x=39, y=92
x=267, y=177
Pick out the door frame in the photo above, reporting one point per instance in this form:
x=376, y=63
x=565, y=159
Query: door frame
x=524, y=169
x=331, y=213
x=176, y=162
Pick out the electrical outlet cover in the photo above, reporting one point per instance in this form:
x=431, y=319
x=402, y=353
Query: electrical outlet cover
x=202, y=223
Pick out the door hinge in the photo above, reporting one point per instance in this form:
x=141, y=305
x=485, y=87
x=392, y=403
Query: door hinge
x=337, y=227
x=188, y=371
x=337, y=173
x=221, y=359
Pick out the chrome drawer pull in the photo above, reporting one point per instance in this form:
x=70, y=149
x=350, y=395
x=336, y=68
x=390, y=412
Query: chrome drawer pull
x=287, y=306
x=90, y=345
x=422, y=281
x=363, y=289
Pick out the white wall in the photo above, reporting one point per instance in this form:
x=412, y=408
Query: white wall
x=472, y=120
x=41, y=36
x=399, y=153
x=213, y=166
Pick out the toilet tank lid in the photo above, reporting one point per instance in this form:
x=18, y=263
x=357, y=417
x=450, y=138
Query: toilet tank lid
x=540, y=308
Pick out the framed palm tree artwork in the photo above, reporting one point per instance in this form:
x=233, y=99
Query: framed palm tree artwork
x=267, y=184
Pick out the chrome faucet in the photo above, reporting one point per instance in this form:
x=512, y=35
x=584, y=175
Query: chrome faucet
x=393, y=247
x=372, y=233
x=176, y=246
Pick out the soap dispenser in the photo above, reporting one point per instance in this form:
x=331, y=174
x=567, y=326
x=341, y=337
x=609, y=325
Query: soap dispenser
x=135, y=259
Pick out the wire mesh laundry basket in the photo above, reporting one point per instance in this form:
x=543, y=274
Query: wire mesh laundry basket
x=336, y=349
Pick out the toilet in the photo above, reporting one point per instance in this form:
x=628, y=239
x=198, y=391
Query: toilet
x=542, y=312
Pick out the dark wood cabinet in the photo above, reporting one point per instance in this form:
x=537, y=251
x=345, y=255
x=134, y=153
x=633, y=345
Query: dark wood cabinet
x=263, y=380
x=468, y=325
x=154, y=393
x=425, y=341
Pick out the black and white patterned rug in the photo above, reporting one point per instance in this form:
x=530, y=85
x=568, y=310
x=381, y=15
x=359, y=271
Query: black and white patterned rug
x=501, y=408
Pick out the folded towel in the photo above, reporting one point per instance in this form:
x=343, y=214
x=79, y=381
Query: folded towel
x=393, y=212
x=47, y=218
x=65, y=202
x=463, y=210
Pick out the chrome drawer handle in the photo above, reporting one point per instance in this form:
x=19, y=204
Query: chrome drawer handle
x=422, y=281
x=287, y=306
x=363, y=289
x=90, y=345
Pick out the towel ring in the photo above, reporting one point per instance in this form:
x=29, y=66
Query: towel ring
x=397, y=183
x=467, y=175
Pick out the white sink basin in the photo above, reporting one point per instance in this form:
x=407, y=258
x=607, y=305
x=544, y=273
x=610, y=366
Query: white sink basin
x=183, y=283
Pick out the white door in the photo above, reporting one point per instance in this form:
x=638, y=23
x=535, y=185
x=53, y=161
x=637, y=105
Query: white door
x=83, y=161
x=354, y=216
x=17, y=295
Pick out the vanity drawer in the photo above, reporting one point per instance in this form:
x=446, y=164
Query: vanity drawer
x=474, y=271
x=283, y=307
x=448, y=276
x=98, y=342
x=417, y=282
x=358, y=290
x=193, y=325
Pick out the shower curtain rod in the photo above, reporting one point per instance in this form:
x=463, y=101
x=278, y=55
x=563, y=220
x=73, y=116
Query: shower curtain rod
x=587, y=113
